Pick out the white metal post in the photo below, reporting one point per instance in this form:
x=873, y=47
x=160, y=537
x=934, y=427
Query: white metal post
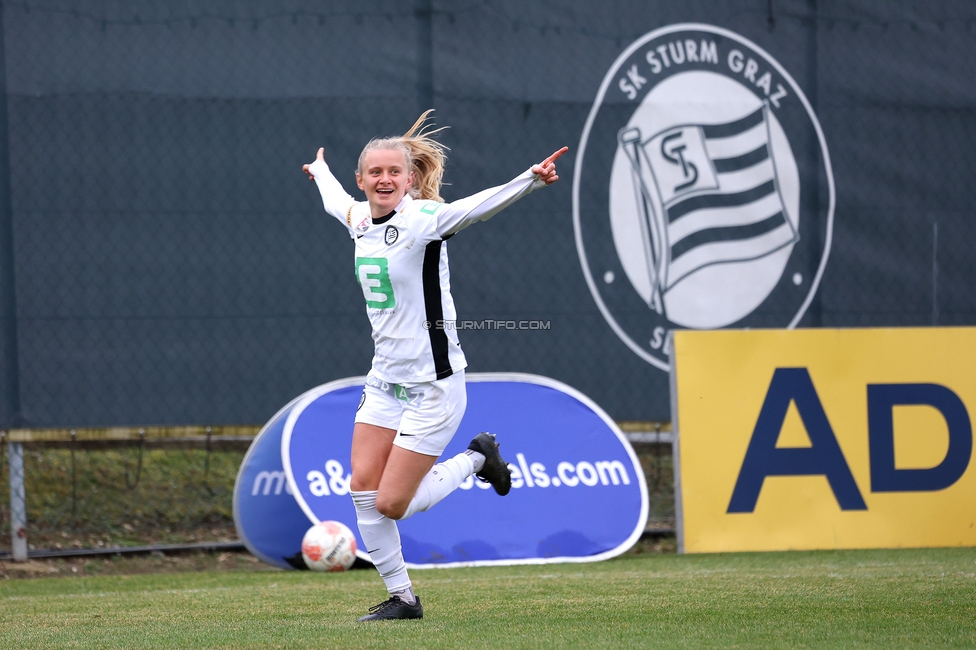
x=679, y=515
x=18, y=502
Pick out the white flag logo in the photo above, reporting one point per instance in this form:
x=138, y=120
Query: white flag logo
x=706, y=194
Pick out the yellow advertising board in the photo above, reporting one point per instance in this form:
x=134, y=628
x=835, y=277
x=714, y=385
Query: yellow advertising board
x=824, y=439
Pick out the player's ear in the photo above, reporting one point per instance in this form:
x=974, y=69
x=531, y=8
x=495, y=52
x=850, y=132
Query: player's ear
x=359, y=181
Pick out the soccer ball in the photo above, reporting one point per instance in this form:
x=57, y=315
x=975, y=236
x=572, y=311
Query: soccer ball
x=329, y=546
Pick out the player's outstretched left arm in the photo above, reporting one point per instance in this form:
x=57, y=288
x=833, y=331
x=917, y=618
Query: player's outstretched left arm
x=460, y=214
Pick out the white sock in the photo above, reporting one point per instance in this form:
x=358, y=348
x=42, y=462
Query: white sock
x=406, y=595
x=442, y=479
x=477, y=458
x=382, y=539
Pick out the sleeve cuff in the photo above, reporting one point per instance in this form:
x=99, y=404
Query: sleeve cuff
x=319, y=168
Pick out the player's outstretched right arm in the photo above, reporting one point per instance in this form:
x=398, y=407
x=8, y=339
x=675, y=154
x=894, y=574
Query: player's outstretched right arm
x=335, y=199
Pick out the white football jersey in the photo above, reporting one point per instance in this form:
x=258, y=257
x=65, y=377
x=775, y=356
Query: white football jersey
x=402, y=267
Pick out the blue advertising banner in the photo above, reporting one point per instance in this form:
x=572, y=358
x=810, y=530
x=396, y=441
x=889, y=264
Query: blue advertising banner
x=268, y=519
x=578, y=491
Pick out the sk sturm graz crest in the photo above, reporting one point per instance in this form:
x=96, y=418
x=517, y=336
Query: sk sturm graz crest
x=703, y=195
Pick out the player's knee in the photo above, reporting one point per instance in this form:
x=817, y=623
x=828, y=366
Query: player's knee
x=391, y=508
x=360, y=484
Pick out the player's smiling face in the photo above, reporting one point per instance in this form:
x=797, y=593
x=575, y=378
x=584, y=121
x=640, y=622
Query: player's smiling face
x=385, y=179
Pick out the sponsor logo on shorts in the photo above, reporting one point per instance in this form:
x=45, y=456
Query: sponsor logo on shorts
x=362, y=400
x=412, y=396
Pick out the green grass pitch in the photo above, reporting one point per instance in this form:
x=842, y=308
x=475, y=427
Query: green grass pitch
x=858, y=599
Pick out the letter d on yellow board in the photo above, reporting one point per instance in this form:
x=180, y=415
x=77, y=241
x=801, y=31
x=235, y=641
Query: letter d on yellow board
x=824, y=439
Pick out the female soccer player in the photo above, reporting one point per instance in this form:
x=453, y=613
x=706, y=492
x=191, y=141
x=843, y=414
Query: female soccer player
x=414, y=397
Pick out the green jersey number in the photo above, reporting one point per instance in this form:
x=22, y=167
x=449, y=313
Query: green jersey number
x=374, y=277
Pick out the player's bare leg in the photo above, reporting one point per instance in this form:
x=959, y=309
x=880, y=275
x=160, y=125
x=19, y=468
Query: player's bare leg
x=404, y=471
x=371, y=448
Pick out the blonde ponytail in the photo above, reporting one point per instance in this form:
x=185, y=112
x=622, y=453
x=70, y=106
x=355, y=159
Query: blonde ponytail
x=425, y=157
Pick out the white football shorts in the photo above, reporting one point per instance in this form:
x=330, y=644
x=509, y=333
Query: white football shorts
x=425, y=415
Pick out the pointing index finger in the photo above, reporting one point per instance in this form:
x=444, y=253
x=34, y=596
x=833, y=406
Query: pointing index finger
x=555, y=156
